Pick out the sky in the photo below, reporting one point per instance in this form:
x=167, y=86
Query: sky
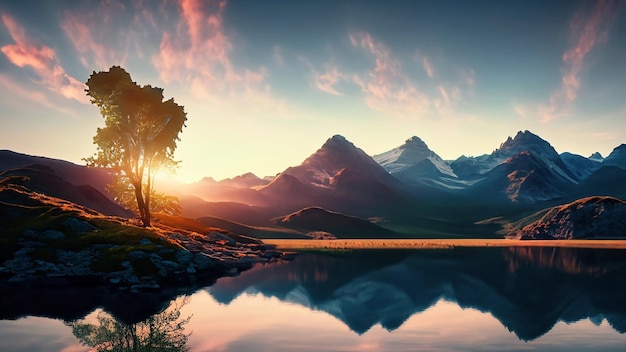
x=266, y=83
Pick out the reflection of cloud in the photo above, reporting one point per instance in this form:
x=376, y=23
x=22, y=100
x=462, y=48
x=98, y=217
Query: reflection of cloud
x=42, y=59
x=587, y=30
x=386, y=87
x=326, y=81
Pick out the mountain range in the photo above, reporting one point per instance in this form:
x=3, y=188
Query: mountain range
x=408, y=191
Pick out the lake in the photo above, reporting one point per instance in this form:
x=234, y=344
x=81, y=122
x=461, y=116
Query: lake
x=464, y=299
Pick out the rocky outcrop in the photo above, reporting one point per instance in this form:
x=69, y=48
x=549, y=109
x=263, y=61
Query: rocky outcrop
x=48, y=241
x=592, y=217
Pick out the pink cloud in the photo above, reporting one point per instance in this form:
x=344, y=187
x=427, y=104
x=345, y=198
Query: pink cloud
x=199, y=45
x=197, y=55
x=102, y=36
x=586, y=32
x=386, y=88
x=326, y=81
x=42, y=59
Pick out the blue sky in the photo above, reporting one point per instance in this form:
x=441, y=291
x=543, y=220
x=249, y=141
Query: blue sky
x=265, y=83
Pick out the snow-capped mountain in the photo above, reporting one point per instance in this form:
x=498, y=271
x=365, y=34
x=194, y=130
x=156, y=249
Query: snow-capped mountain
x=617, y=157
x=413, y=162
x=524, y=177
x=338, y=176
x=476, y=167
x=525, y=168
x=413, y=152
x=326, y=165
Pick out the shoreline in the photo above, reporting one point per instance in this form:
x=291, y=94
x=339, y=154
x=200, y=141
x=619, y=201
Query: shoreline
x=355, y=244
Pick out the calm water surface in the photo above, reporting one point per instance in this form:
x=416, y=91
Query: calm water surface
x=464, y=299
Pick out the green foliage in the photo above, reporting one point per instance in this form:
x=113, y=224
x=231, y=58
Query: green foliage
x=124, y=194
x=140, y=133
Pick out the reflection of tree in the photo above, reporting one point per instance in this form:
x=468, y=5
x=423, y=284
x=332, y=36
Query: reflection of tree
x=160, y=332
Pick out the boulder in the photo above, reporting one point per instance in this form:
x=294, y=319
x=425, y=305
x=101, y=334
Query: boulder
x=79, y=226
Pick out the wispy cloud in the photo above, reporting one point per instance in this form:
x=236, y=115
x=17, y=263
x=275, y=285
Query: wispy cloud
x=426, y=64
x=386, y=87
x=92, y=32
x=587, y=30
x=277, y=53
x=197, y=54
x=469, y=77
x=327, y=81
x=448, y=98
x=42, y=59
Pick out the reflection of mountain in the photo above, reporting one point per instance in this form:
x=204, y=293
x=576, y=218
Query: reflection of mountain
x=527, y=289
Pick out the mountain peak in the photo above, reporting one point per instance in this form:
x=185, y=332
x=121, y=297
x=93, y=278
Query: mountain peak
x=414, y=142
x=338, y=142
x=617, y=157
x=414, y=154
x=522, y=138
x=596, y=157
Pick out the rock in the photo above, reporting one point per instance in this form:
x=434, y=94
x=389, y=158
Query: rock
x=223, y=237
x=202, y=261
x=271, y=254
x=289, y=255
x=145, y=242
x=32, y=234
x=591, y=217
x=32, y=244
x=79, y=226
x=144, y=286
x=183, y=256
x=191, y=269
x=52, y=235
x=137, y=255
x=247, y=239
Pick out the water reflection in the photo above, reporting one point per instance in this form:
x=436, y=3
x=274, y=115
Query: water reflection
x=163, y=331
x=528, y=290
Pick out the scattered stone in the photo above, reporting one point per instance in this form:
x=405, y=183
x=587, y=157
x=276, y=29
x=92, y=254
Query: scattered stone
x=52, y=235
x=137, y=255
x=145, y=242
x=223, y=237
x=191, y=269
x=202, y=260
x=184, y=256
x=271, y=254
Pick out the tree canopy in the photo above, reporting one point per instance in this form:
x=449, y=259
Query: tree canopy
x=140, y=133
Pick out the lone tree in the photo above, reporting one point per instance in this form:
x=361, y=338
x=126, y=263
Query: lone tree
x=140, y=133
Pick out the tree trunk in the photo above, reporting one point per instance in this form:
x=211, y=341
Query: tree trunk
x=144, y=212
